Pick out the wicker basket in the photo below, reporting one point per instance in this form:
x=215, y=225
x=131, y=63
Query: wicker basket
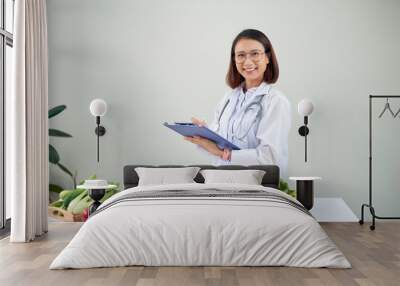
x=63, y=215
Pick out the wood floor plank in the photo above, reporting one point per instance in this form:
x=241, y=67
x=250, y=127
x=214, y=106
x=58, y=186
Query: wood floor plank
x=374, y=255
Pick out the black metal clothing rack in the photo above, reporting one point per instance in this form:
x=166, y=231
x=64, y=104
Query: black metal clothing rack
x=369, y=205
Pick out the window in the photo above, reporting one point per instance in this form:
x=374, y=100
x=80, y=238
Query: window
x=6, y=60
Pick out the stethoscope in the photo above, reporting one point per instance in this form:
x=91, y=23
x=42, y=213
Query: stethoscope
x=241, y=137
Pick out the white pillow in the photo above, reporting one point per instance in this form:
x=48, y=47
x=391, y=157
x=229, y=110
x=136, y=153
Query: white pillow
x=163, y=176
x=248, y=177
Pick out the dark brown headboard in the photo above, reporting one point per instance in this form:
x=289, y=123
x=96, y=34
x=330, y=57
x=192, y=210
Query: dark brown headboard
x=270, y=179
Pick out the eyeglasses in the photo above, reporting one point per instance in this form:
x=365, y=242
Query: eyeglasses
x=255, y=56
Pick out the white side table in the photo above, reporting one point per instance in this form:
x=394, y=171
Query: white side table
x=305, y=190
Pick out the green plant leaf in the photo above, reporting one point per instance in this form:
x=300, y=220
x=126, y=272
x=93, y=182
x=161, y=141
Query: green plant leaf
x=55, y=188
x=58, y=133
x=74, y=178
x=65, y=169
x=116, y=184
x=54, y=158
x=56, y=110
x=283, y=185
x=92, y=177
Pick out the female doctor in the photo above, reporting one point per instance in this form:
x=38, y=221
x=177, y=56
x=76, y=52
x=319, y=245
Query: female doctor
x=253, y=115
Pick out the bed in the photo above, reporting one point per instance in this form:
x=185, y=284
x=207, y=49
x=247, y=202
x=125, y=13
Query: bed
x=201, y=224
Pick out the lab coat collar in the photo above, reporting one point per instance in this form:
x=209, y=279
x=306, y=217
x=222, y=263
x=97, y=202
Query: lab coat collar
x=262, y=89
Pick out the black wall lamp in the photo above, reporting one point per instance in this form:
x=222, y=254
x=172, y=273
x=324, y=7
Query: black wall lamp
x=98, y=108
x=305, y=108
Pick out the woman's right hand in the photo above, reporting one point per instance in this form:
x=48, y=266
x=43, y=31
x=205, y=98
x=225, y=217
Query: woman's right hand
x=206, y=144
x=200, y=141
x=198, y=122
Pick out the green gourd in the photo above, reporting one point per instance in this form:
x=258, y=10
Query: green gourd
x=75, y=201
x=85, y=201
x=81, y=204
x=64, y=193
x=70, y=197
x=57, y=204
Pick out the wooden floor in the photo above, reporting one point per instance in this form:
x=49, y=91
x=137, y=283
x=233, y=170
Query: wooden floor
x=375, y=257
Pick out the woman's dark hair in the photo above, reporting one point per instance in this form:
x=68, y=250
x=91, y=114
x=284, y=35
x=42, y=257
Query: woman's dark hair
x=271, y=74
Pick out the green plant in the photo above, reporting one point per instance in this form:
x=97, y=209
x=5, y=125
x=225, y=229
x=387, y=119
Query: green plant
x=284, y=187
x=54, y=157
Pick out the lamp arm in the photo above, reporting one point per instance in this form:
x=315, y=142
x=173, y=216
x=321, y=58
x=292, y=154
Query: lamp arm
x=98, y=144
x=305, y=146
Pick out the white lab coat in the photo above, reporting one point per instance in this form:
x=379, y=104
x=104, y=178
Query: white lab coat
x=259, y=125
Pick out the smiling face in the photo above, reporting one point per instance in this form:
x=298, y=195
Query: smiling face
x=251, y=61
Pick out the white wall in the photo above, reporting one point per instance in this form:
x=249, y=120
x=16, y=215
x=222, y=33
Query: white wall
x=156, y=61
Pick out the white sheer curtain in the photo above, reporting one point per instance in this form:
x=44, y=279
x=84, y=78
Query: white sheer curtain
x=28, y=123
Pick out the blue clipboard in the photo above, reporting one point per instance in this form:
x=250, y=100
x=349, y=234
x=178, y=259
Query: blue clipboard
x=190, y=129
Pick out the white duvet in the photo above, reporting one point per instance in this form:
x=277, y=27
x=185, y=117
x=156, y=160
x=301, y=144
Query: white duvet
x=200, y=231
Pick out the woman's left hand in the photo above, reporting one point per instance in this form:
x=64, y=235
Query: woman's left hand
x=208, y=145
